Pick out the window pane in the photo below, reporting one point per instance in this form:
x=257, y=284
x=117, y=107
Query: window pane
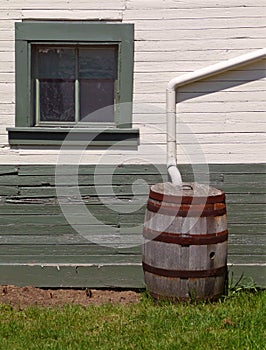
x=94, y=95
x=97, y=76
x=57, y=100
x=51, y=62
x=98, y=62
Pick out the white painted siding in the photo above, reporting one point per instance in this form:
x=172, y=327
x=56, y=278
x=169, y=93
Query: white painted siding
x=221, y=120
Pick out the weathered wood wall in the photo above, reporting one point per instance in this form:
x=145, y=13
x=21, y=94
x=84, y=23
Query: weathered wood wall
x=221, y=122
x=171, y=38
x=38, y=245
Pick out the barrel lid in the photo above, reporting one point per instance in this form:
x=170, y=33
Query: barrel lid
x=189, y=192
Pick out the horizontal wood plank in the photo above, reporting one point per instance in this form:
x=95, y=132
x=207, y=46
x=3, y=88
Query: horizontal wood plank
x=115, y=235
x=69, y=180
x=128, y=276
x=76, y=209
x=246, y=228
x=39, y=252
x=230, y=168
x=123, y=190
x=130, y=227
x=52, y=252
x=9, y=191
x=247, y=274
x=204, y=4
x=93, y=276
x=8, y=169
x=117, y=169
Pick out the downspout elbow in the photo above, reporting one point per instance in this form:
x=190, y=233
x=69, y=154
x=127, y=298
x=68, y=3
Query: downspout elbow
x=174, y=174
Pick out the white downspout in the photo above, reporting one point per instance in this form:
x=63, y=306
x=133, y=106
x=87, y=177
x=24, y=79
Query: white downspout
x=185, y=79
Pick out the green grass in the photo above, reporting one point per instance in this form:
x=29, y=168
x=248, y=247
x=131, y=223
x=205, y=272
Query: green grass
x=237, y=322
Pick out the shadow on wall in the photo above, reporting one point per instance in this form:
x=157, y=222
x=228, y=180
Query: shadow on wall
x=223, y=81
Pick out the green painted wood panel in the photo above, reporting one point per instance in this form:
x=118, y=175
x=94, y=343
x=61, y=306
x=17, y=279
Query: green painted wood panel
x=74, y=31
x=44, y=219
x=95, y=276
x=237, y=213
x=127, y=276
x=50, y=229
x=117, y=138
x=33, y=230
x=246, y=228
x=225, y=168
x=8, y=169
x=59, y=248
x=243, y=198
x=240, y=259
x=9, y=191
x=76, y=260
x=133, y=227
x=119, y=169
x=238, y=244
x=121, y=190
x=250, y=213
x=83, y=180
x=53, y=251
x=73, y=239
x=35, y=209
x=247, y=273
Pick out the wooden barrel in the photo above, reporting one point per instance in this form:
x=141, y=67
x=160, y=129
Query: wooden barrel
x=185, y=242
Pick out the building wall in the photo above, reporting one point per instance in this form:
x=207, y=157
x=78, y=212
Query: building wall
x=171, y=38
x=221, y=125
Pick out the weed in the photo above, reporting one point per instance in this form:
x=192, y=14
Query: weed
x=243, y=283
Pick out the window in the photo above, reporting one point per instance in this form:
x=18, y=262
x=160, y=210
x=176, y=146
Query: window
x=72, y=82
x=73, y=74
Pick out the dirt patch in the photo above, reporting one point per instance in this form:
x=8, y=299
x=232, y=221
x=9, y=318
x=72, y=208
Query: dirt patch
x=28, y=296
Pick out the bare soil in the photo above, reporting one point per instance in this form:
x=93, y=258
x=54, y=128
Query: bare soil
x=22, y=297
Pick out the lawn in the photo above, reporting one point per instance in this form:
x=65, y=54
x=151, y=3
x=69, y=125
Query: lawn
x=236, y=322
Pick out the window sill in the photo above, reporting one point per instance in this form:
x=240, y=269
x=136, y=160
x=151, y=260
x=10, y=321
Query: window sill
x=73, y=137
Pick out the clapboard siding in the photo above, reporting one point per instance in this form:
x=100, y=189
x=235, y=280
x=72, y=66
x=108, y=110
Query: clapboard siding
x=166, y=34
x=171, y=38
x=35, y=235
x=131, y=4
x=221, y=123
x=192, y=13
x=173, y=4
x=150, y=153
x=125, y=275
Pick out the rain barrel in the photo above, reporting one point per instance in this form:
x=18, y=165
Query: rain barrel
x=185, y=236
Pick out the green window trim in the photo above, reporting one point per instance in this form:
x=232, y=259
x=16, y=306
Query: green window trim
x=93, y=137
x=70, y=32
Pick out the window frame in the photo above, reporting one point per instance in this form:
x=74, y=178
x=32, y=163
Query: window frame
x=29, y=33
